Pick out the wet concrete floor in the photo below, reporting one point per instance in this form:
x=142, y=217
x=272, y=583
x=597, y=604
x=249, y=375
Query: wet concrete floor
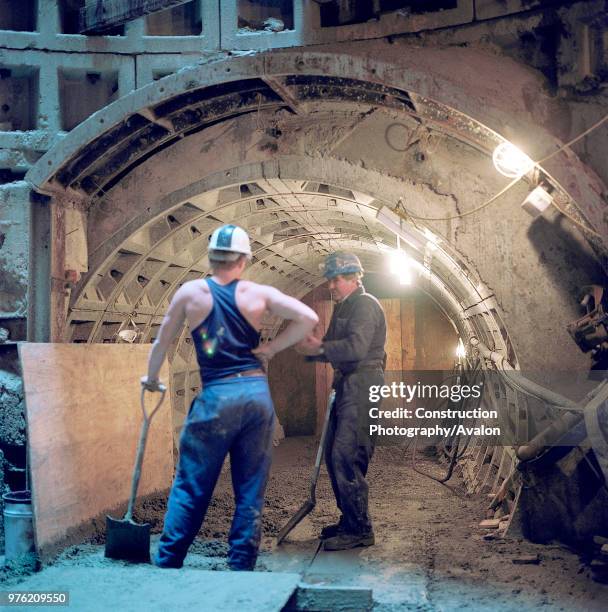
x=429, y=554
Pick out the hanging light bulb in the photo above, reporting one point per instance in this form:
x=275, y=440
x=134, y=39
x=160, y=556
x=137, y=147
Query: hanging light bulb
x=399, y=261
x=405, y=277
x=128, y=332
x=510, y=161
x=460, y=350
x=401, y=266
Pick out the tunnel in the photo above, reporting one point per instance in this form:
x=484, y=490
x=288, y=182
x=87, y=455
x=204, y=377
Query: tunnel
x=371, y=134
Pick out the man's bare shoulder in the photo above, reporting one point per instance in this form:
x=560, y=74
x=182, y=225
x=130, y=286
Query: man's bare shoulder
x=250, y=286
x=193, y=288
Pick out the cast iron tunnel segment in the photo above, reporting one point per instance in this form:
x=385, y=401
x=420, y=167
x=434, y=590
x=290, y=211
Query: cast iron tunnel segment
x=101, y=164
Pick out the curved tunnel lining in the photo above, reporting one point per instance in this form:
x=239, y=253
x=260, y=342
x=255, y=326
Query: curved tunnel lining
x=485, y=323
x=163, y=117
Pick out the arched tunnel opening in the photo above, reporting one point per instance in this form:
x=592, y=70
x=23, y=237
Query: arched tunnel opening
x=311, y=153
x=294, y=225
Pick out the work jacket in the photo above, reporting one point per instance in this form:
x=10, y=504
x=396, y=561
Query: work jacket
x=356, y=335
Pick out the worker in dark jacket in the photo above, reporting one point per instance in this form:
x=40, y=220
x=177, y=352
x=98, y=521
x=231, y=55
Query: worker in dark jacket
x=354, y=345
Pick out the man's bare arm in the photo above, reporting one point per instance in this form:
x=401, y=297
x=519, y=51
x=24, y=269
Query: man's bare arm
x=303, y=320
x=170, y=327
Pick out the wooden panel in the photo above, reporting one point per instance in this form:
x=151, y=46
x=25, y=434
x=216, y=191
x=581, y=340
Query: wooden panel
x=292, y=386
x=408, y=334
x=392, y=310
x=324, y=372
x=59, y=295
x=83, y=420
x=436, y=338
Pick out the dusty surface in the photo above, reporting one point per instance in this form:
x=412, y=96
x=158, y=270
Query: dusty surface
x=429, y=555
x=141, y=587
x=12, y=422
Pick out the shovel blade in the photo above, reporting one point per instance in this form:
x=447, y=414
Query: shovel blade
x=306, y=508
x=127, y=540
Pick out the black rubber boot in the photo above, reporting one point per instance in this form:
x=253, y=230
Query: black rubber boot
x=332, y=530
x=345, y=541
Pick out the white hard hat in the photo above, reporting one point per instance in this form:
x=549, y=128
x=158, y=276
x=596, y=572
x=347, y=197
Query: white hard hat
x=228, y=243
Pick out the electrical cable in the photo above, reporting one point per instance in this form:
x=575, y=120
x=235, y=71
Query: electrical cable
x=455, y=450
x=468, y=212
x=517, y=179
x=575, y=139
x=515, y=386
x=575, y=221
x=441, y=481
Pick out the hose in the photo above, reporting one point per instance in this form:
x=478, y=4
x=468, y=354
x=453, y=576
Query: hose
x=454, y=442
x=519, y=383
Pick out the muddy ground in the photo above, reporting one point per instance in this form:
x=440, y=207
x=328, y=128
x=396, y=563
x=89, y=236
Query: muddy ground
x=430, y=553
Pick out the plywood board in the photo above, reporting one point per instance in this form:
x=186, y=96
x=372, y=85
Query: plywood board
x=392, y=311
x=408, y=334
x=84, y=418
x=324, y=373
x=292, y=386
x=436, y=337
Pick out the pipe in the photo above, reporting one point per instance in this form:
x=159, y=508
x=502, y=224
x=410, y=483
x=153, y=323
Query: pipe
x=556, y=430
x=548, y=436
x=525, y=384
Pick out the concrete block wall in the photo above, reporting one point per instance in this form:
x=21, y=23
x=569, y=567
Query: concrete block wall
x=309, y=27
x=14, y=248
x=49, y=66
x=61, y=77
x=42, y=57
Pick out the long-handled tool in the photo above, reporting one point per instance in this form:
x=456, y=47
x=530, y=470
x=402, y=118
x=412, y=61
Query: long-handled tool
x=126, y=539
x=310, y=503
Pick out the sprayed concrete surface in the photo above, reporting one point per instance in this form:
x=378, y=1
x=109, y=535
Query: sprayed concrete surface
x=141, y=587
x=430, y=553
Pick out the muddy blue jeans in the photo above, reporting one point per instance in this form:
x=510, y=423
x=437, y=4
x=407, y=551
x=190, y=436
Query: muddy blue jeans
x=233, y=416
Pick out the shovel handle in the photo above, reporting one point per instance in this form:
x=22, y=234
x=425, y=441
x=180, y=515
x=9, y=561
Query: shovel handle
x=317, y=468
x=148, y=415
x=310, y=503
x=141, y=447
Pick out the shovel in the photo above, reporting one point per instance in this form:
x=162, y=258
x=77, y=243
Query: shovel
x=310, y=503
x=126, y=539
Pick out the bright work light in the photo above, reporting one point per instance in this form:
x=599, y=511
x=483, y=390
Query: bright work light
x=399, y=261
x=460, y=350
x=510, y=161
x=405, y=277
